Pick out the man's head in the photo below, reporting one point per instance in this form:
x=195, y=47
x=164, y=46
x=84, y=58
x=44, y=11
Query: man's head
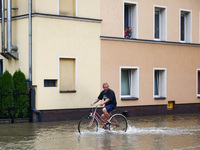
x=129, y=29
x=105, y=86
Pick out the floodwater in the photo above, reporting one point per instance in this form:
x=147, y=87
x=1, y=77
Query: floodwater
x=174, y=132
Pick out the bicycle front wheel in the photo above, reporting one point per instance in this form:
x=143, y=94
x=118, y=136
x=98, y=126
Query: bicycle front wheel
x=118, y=123
x=88, y=124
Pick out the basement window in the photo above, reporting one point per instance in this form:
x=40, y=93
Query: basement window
x=50, y=83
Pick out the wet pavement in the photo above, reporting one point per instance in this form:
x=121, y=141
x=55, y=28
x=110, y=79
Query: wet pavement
x=174, y=132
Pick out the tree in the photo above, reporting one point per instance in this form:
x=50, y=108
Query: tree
x=6, y=88
x=21, y=98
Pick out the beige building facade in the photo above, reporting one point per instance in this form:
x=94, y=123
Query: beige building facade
x=65, y=55
x=159, y=63
x=79, y=44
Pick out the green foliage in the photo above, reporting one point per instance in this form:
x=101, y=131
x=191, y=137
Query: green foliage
x=21, y=99
x=6, y=88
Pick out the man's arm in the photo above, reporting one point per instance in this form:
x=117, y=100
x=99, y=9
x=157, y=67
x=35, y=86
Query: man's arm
x=106, y=101
x=95, y=101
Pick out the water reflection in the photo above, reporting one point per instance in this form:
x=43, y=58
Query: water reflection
x=149, y=133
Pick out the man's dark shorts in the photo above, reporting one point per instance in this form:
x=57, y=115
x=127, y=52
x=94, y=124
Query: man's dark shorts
x=110, y=108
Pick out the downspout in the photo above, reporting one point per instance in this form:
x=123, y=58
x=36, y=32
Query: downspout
x=3, y=25
x=30, y=65
x=9, y=26
x=33, y=102
x=10, y=47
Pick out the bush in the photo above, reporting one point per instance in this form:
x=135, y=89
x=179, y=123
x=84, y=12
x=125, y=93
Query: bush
x=21, y=99
x=6, y=88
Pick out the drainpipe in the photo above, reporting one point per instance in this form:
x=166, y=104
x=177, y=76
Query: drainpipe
x=33, y=102
x=30, y=40
x=30, y=65
x=10, y=47
x=3, y=25
x=9, y=26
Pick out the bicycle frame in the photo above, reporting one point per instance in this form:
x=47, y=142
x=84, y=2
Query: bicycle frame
x=100, y=120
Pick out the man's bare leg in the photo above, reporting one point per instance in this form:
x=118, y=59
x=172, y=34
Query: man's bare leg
x=107, y=116
x=103, y=117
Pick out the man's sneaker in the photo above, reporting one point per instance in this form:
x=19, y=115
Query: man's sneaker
x=106, y=125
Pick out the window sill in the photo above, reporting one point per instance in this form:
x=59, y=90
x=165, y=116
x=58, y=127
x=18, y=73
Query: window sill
x=74, y=91
x=159, y=98
x=129, y=98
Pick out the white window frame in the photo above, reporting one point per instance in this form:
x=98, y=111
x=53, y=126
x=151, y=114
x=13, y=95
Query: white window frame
x=67, y=57
x=3, y=64
x=198, y=95
x=185, y=31
x=162, y=22
x=134, y=23
x=58, y=7
x=134, y=94
x=159, y=25
x=199, y=26
x=188, y=25
x=163, y=93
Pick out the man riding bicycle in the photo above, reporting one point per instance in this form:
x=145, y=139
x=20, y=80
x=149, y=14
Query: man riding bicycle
x=109, y=101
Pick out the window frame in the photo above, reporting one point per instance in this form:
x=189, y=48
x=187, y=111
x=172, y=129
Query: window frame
x=199, y=26
x=162, y=95
x=76, y=7
x=185, y=26
x=188, y=25
x=134, y=25
x=67, y=57
x=55, y=82
x=1, y=58
x=162, y=22
x=198, y=71
x=135, y=95
x=159, y=24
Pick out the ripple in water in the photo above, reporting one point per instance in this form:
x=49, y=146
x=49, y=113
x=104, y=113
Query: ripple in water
x=150, y=130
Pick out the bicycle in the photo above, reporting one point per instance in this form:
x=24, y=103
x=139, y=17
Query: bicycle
x=91, y=122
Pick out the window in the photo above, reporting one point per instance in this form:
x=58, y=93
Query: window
x=198, y=83
x=159, y=83
x=49, y=83
x=160, y=23
x=130, y=18
x=0, y=8
x=129, y=83
x=185, y=26
x=1, y=67
x=67, y=7
x=157, y=25
x=199, y=26
x=67, y=81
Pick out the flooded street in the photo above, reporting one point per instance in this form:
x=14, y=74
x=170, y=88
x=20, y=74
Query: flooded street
x=174, y=132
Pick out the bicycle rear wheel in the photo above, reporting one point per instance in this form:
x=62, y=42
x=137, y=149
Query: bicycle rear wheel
x=88, y=124
x=118, y=123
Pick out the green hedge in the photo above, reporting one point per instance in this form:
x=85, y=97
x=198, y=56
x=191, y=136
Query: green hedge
x=21, y=99
x=6, y=88
x=13, y=98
